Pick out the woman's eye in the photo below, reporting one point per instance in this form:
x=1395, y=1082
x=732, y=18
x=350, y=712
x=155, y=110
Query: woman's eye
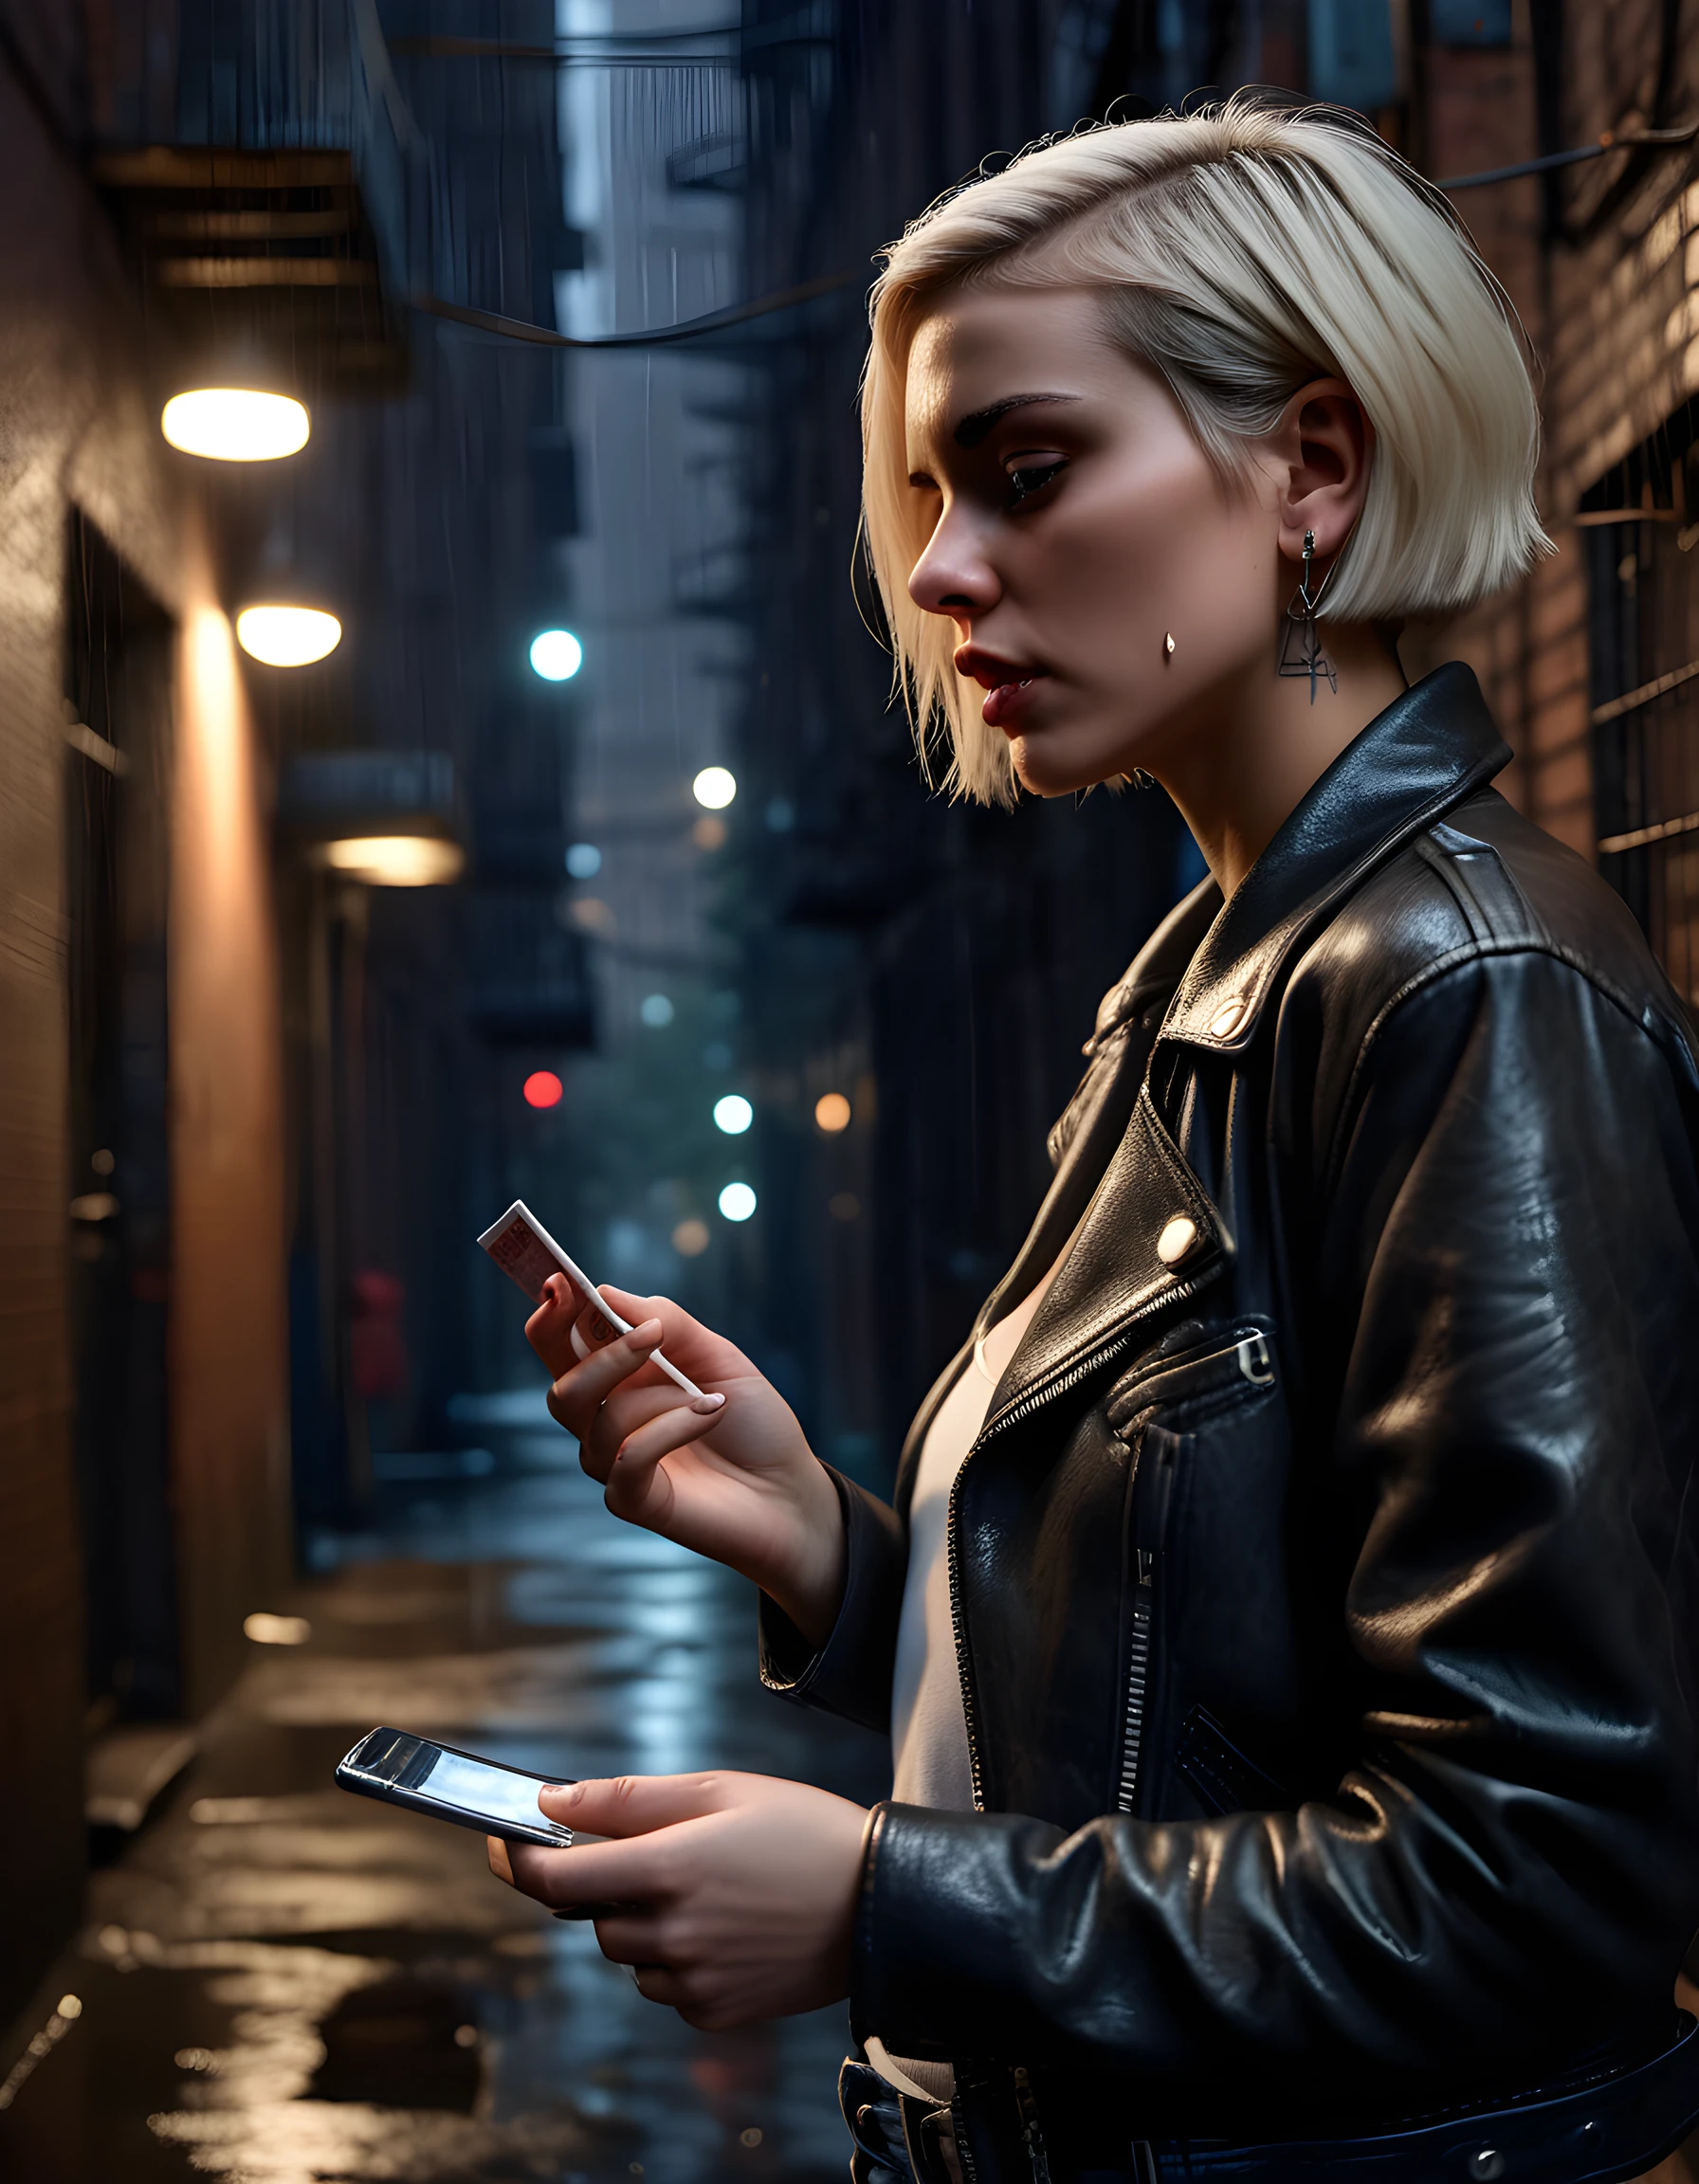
x=1030, y=478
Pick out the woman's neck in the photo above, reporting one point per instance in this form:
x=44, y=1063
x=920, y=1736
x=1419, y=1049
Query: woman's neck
x=1238, y=774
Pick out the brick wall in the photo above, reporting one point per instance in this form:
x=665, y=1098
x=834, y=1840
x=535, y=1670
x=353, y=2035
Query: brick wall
x=1615, y=317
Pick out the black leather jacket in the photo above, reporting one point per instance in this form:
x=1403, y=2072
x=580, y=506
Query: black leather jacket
x=1320, y=1581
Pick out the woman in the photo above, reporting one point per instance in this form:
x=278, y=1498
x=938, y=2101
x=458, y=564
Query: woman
x=1283, y=1621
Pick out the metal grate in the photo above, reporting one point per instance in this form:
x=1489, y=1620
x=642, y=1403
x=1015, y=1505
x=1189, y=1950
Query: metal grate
x=1641, y=527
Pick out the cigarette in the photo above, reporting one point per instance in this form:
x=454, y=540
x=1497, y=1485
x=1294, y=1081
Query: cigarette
x=522, y=1247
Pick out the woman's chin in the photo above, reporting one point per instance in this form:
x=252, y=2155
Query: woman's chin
x=1047, y=768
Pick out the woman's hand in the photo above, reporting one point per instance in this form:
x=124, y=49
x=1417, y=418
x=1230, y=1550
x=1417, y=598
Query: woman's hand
x=733, y=1479
x=741, y=1889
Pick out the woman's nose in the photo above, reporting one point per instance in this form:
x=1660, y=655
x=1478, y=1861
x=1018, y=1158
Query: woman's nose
x=952, y=576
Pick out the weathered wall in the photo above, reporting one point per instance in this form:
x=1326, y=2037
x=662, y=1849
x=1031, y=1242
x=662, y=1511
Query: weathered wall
x=1614, y=315
x=78, y=427
x=230, y=1447
x=67, y=412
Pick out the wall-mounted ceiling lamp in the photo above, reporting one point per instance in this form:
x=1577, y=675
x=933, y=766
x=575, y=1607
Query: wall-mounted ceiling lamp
x=287, y=636
x=556, y=655
x=396, y=860
x=235, y=424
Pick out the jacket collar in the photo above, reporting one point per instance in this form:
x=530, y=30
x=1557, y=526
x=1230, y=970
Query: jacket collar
x=1431, y=748
x=1428, y=751
x=1099, y=1116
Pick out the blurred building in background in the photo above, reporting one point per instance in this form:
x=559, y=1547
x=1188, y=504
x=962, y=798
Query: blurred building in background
x=592, y=864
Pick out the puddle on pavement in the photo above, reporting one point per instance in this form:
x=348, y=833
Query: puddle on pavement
x=283, y=1985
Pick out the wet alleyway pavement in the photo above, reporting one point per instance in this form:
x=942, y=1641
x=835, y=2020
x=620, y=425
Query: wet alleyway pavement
x=278, y=1983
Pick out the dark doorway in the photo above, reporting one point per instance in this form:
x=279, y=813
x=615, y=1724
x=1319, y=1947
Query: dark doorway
x=118, y=699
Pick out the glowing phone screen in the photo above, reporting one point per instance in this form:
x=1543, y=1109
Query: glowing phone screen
x=487, y=1790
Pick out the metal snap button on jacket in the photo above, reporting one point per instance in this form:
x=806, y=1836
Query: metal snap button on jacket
x=1225, y=1022
x=1178, y=1239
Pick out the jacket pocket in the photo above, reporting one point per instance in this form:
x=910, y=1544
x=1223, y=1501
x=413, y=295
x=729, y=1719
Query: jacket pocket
x=1225, y=1777
x=1155, y=1407
x=1222, y=1366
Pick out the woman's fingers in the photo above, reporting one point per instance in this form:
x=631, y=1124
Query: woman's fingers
x=637, y=1486
x=633, y=1873
x=622, y=1806
x=499, y=1863
x=575, y=1397
x=549, y=1328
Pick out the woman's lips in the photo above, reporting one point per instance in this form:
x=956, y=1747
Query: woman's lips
x=1006, y=704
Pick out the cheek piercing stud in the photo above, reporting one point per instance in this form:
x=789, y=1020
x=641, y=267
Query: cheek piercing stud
x=1169, y=645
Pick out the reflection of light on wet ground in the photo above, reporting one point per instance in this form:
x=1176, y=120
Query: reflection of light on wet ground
x=300, y=2143
x=280, y=1983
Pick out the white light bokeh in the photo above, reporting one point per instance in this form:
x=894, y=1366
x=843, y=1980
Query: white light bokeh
x=556, y=655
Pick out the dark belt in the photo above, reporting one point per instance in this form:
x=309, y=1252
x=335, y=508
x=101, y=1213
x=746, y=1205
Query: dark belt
x=1602, y=2129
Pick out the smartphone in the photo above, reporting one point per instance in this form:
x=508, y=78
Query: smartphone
x=450, y=1784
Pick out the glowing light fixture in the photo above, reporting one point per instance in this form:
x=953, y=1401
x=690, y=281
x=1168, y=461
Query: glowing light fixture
x=690, y=1239
x=733, y=1114
x=583, y=859
x=287, y=636
x=542, y=1088
x=235, y=424
x=396, y=860
x=832, y=1113
x=556, y=655
x=276, y=1630
x=713, y=788
x=737, y=1201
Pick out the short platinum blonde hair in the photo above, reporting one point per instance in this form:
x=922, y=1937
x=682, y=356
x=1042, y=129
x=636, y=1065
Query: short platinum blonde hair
x=1241, y=250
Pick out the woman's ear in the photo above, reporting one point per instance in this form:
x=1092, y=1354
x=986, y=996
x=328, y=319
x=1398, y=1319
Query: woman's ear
x=1322, y=451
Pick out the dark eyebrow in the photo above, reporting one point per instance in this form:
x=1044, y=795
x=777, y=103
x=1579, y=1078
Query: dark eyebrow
x=973, y=428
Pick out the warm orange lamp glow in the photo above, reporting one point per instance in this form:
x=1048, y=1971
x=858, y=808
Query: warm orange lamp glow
x=397, y=860
x=235, y=424
x=287, y=636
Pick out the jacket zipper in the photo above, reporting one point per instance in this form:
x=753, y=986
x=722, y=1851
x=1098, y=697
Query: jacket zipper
x=1138, y=1677
x=1032, y=2131
x=1024, y=1409
x=1257, y=1367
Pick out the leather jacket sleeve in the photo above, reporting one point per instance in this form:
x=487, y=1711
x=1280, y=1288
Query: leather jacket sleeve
x=1499, y=1222
x=850, y=1675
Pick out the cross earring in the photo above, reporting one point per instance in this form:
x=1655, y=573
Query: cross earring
x=1300, y=652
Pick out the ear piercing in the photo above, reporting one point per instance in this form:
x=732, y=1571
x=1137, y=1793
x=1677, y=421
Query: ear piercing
x=1301, y=649
x=1169, y=645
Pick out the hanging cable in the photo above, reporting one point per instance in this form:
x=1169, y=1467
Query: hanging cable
x=710, y=322
x=1610, y=140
